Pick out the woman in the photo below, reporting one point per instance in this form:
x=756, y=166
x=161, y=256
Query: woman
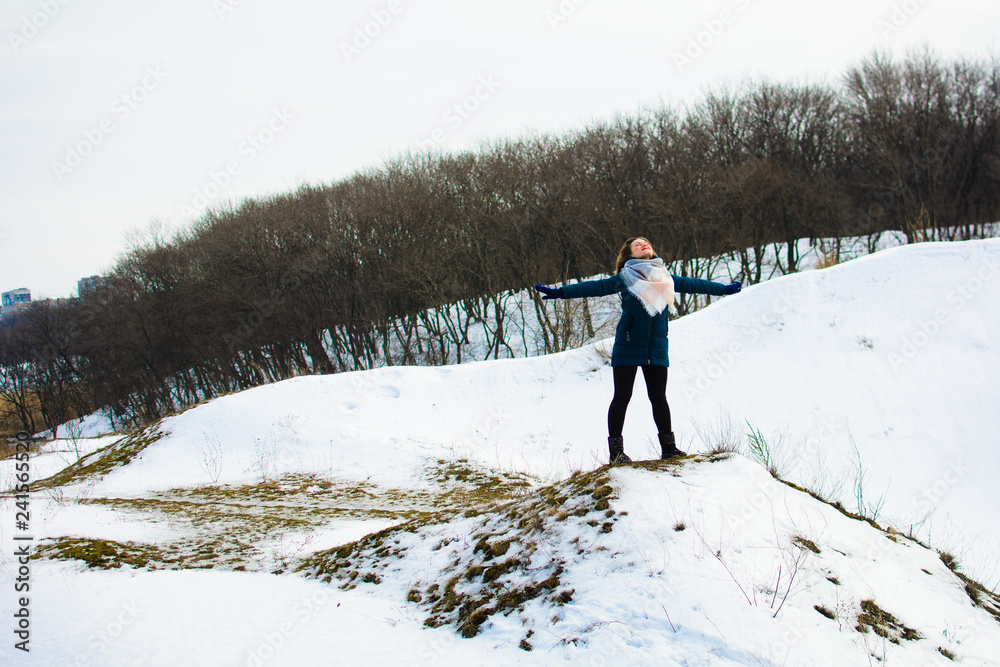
x=647, y=291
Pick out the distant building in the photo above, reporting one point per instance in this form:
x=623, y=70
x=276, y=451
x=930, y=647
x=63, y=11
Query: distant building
x=87, y=286
x=15, y=298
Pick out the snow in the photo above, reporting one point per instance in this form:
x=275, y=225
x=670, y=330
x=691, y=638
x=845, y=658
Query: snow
x=207, y=618
x=893, y=354
x=50, y=457
x=880, y=370
x=85, y=427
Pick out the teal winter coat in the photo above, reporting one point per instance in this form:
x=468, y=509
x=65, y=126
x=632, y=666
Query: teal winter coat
x=640, y=339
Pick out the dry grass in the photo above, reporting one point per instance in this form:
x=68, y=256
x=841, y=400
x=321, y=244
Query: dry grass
x=722, y=434
x=804, y=543
x=874, y=618
x=826, y=260
x=10, y=425
x=980, y=596
x=486, y=579
x=826, y=612
x=7, y=449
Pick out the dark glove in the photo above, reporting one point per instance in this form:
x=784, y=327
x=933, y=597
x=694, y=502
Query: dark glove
x=734, y=287
x=550, y=292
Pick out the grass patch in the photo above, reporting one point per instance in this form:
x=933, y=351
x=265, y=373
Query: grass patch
x=100, y=463
x=466, y=484
x=875, y=619
x=826, y=612
x=806, y=544
x=825, y=259
x=660, y=465
x=104, y=554
x=493, y=571
x=980, y=596
x=836, y=505
x=260, y=527
x=762, y=451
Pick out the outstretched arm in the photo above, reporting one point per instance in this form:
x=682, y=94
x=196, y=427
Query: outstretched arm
x=604, y=287
x=549, y=292
x=698, y=286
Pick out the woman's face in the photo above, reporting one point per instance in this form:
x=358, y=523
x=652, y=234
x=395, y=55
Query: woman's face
x=641, y=249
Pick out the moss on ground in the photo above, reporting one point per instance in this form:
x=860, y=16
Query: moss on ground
x=495, y=572
x=464, y=483
x=237, y=526
x=94, y=466
x=104, y=554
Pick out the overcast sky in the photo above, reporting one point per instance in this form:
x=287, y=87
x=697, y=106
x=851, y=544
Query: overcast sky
x=117, y=114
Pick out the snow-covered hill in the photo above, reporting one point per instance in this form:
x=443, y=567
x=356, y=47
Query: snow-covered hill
x=702, y=561
x=870, y=381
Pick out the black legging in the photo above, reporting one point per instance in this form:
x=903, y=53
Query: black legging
x=656, y=388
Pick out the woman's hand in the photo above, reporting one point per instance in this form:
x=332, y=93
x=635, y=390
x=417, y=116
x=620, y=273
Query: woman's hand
x=550, y=292
x=734, y=287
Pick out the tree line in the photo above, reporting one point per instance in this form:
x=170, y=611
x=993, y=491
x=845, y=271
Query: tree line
x=398, y=264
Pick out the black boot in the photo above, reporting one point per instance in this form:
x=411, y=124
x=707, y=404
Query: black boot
x=668, y=446
x=617, y=451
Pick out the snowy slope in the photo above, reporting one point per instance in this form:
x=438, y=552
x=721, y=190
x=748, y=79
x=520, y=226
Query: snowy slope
x=892, y=357
x=707, y=559
x=888, y=360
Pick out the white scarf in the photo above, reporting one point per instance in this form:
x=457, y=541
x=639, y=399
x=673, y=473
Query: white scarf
x=651, y=283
